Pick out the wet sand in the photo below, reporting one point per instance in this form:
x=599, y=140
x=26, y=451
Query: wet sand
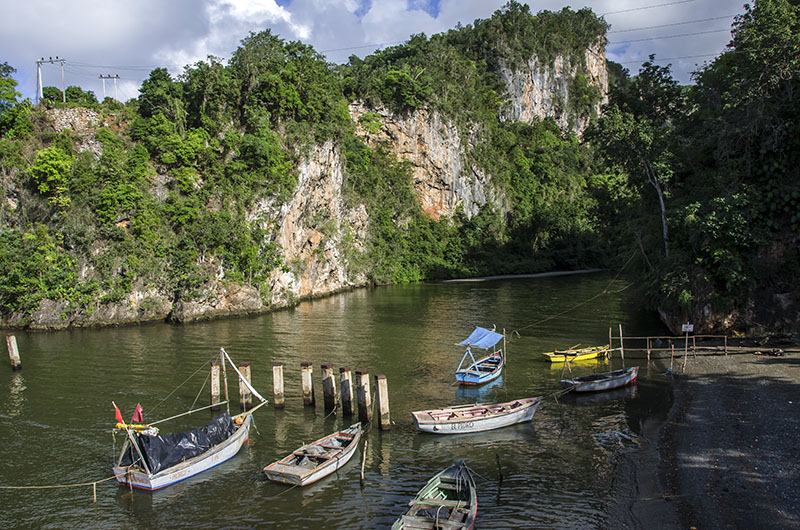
x=727, y=456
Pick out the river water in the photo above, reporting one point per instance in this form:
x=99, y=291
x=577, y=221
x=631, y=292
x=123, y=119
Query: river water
x=56, y=416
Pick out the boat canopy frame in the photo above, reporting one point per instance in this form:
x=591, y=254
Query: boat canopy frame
x=483, y=339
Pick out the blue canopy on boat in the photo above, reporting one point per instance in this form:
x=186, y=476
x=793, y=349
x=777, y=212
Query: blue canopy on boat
x=482, y=338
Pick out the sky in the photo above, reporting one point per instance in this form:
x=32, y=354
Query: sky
x=129, y=39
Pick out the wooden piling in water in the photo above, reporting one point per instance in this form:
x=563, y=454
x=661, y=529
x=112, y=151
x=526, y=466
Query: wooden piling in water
x=307, y=375
x=382, y=396
x=328, y=387
x=277, y=385
x=13, y=352
x=245, y=396
x=364, y=397
x=215, y=388
x=346, y=385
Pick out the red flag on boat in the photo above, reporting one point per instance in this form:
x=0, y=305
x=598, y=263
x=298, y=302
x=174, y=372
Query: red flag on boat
x=137, y=414
x=117, y=413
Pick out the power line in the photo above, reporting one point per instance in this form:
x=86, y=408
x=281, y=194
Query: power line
x=670, y=36
x=673, y=24
x=646, y=7
x=671, y=58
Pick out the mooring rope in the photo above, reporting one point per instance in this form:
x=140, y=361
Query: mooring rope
x=593, y=298
x=56, y=486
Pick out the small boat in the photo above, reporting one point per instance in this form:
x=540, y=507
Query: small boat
x=572, y=354
x=448, y=501
x=476, y=418
x=152, y=461
x=316, y=460
x=487, y=367
x=604, y=381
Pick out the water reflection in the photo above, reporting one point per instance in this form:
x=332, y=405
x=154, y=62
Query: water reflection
x=15, y=397
x=488, y=393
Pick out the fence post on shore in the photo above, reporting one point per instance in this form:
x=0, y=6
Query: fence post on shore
x=245, y=396
x=685, y=353
x=382, y=396
x=364, y=397
x=215, y=385
x=307, y=375
x=277, y=385
x=672, y=358
x=648, y=349
x=726, y=345
x=621, y=346
x=694, y=346
x=346, y=383
x=328, y=387
x=13, y=352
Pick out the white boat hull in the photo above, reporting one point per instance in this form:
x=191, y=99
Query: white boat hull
x=139, y=479
x=619, y=379
x=468, y=419
x=285, y=473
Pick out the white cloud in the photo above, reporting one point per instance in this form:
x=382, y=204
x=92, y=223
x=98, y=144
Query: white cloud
x=132, y=38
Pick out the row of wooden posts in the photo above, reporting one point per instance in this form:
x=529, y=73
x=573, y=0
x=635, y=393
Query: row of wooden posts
x=331, y=400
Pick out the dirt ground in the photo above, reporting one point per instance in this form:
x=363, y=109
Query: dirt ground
x=727, y=457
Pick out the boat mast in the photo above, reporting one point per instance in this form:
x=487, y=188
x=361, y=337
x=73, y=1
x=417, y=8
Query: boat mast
x=225, y=379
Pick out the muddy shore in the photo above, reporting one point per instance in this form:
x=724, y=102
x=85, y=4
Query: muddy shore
x=727, y=456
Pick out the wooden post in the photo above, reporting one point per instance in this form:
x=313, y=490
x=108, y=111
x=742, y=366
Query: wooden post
x=621, y=346
x=346, y=384
x=215, y=385
x=363, y=460
x=225, y=380
x=328, y=387
x=277, y=385
x=686, y=352
x=307, y=374
x=13, y=352
x=694, y=346
x=364, y=397
x=505, y=353
x=610, y=339
x=726, y=345
x=648, y=349
x=245, y=396
x=672, y=358
x=382, y=395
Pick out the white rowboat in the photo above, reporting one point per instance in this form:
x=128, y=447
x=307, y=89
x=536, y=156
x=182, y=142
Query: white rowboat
x=316, y=460
x=476, y=418
x=604, y=381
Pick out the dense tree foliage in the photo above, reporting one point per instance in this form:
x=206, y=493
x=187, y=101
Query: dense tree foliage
x=724, y=155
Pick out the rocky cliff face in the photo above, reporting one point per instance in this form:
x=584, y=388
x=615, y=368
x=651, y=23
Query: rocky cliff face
x=443, y=179
x=540, y=90
x=318, y=233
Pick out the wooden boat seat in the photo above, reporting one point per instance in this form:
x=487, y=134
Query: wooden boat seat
x=313, y=456
x=438, y=502
x=420, y=522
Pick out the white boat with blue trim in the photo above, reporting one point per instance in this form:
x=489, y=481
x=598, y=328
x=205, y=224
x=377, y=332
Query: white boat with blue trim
x=486, y=368
x=152, y=461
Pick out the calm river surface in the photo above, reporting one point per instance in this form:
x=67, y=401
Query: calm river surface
x=56, y=414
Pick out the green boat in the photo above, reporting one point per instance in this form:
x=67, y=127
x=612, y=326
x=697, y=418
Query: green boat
x=448, y=502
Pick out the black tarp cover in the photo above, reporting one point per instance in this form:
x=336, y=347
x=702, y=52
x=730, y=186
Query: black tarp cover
x=165, y=450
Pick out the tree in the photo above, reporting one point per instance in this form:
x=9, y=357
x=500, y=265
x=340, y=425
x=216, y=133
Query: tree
x=8, y=97
x=637, y=131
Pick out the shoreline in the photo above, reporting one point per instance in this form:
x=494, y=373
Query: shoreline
x=726, y=455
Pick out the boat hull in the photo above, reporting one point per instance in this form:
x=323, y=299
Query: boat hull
x=584, y=354
x=448, y=501
x=137, y=478
x=600, y=382
x=284, y=473
x=457, y=420
x=473, y=375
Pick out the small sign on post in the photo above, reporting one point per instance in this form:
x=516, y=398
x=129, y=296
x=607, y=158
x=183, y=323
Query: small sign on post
x=687, y=328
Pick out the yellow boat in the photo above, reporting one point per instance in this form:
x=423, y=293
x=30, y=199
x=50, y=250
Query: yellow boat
x=576, y=354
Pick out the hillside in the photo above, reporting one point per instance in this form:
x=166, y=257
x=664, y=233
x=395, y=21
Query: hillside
x=249, y=186
x=505, y=146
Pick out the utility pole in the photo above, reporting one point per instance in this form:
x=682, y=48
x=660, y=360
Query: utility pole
x=39, y=77
x=109, y=76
